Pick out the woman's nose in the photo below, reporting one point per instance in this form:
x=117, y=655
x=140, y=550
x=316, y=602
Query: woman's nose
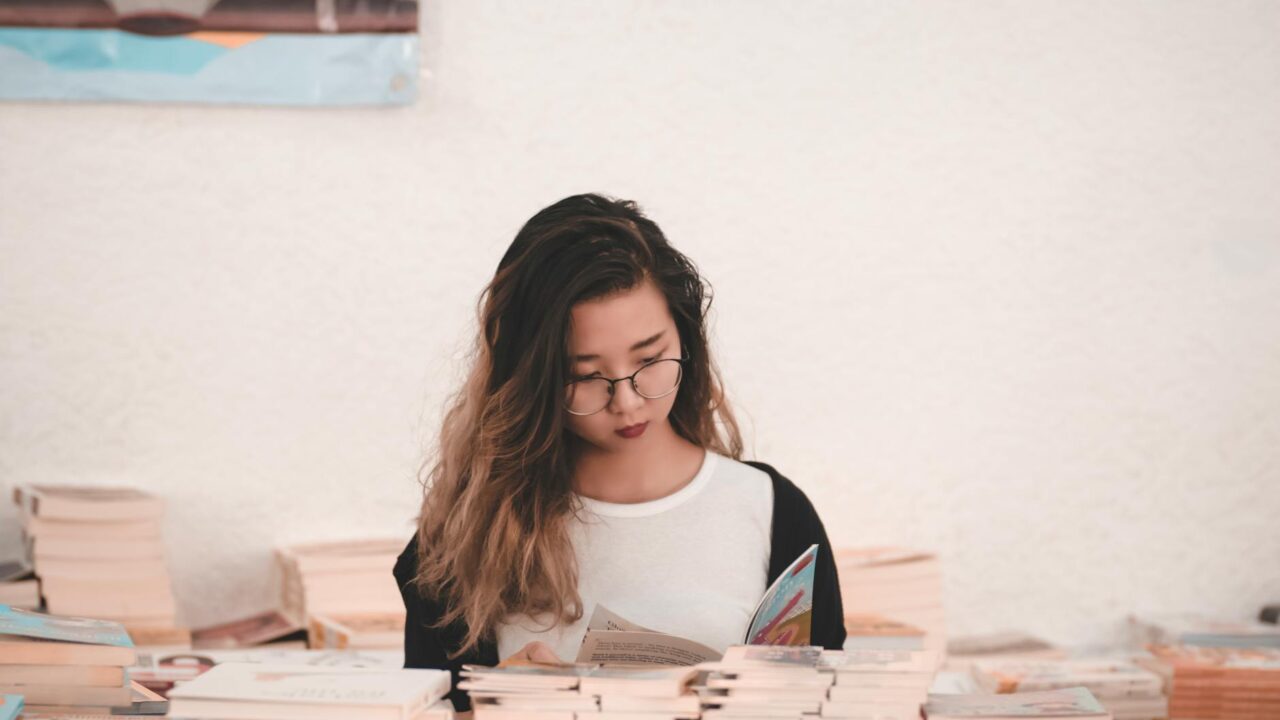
x=625, y=397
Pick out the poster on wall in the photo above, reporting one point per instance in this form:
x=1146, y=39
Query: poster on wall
x=262, y=52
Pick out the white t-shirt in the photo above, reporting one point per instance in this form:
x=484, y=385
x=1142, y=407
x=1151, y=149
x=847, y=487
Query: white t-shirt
x=692, y=564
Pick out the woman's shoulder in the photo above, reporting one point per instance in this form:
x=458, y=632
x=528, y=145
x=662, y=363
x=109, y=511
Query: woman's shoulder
x=741, y=481
x=406, y=568
x=786, y=494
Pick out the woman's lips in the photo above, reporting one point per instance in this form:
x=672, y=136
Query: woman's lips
x=633, y=431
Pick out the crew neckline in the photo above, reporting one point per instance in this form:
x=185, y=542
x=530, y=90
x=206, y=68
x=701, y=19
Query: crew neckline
x=662, y=504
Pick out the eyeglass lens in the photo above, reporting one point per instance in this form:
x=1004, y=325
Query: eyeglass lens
x=654, y=380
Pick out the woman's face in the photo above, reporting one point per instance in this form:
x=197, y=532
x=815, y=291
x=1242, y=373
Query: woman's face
x=612, y=337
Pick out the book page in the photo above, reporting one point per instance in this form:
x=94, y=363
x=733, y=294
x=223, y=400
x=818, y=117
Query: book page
x=602, y=618
x=636, y=648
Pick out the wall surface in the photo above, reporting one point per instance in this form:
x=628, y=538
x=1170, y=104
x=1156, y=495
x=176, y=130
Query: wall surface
x=1000, y=279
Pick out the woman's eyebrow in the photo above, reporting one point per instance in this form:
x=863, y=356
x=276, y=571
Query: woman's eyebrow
x=638, y=346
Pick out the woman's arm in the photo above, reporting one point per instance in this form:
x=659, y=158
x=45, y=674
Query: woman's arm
x=427, y=646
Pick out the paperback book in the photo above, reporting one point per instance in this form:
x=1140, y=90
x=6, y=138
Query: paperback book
x=784, y=616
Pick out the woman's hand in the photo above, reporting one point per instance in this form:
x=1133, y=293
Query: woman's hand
x=535, y=653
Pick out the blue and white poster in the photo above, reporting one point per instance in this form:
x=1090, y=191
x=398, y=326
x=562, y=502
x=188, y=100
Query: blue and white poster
x=262, y=52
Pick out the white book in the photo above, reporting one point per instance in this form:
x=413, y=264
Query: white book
x=84, y=675
x=46, y=548
x=83, y=530
x=916, y=682
x=494, y=712
x=603, y=715
x=845, y=693
x=148, y=608
x=1102, y=677
x=789, y=681
x=537, y=701
x=1194, y=629
x=71, y=694
x=664, y=682
x=781, y=693
x=92, y=504
x=340, y=555
x=779, y=705
x=526, y=678
x=442, y=710
x=879, y=661
x=301, y=692
x=85, y=569
x=687, y=703
x=1066, y=703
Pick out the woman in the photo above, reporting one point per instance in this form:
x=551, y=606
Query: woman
x=591, y=459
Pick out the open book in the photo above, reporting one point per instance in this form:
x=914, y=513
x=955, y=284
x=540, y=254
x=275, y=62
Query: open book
x=784, y=616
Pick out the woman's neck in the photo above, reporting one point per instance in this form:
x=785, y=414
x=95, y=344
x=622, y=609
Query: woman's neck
x=643, y=473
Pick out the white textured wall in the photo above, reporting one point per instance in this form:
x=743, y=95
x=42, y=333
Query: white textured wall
x=1001, y=279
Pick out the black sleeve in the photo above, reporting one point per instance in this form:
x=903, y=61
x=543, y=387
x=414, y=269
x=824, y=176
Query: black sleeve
x=796, y=526
x=429, y=647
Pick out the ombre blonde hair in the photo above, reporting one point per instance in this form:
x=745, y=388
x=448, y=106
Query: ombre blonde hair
x=493, y=536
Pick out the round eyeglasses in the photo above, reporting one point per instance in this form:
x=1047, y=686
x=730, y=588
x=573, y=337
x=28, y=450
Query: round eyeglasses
x=588, y=396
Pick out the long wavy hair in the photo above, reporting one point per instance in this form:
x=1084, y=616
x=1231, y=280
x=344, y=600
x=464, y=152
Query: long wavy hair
x=493, y=536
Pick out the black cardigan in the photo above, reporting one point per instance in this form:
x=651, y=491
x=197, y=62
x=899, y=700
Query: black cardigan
x=795, y=526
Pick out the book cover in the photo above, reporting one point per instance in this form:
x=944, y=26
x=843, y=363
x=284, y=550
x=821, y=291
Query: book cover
x=27, y=624
x=1192, y=658
x=1068, y=702
x=1193, y=629
x=785, y=613
x=1013, y=676
x=362, y=687
x=772, y=657
x=10, y=707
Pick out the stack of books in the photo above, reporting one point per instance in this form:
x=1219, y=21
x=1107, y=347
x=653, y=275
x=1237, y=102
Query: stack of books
x=897, y=583
x=765, y=681
x=291, y=692
x=885, y=683
x=1125, y=690
x=70, y=665
x=527, y=692
x=1076, y=703
x=341, y=579
x=18, y=585
x=963, y=652
x=530, y=692
x=1218, y=683
x=639, y=693
x=98, y=552
x=1194, y=629
x=643, y=692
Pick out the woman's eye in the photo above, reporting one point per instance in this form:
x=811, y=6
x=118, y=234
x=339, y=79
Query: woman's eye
x=649, y=360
